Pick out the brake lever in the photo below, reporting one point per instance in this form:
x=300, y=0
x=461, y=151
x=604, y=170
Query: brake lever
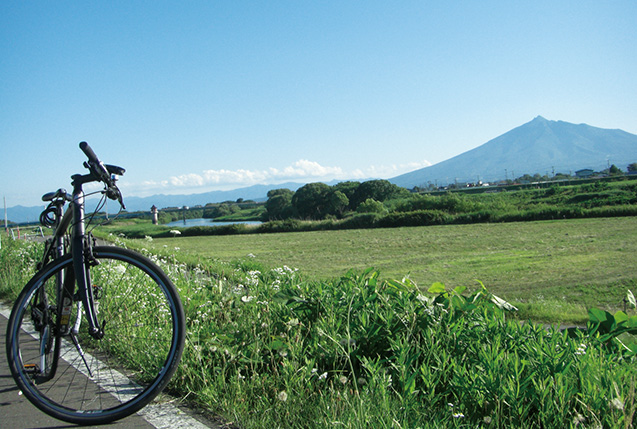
x=113, y=192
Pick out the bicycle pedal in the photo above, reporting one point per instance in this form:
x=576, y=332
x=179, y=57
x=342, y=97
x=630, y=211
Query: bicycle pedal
x=31, y=368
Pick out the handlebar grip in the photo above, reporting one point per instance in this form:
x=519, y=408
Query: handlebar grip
x=89, y=152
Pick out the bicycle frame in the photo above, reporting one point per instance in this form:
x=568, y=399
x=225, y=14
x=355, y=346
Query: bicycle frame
x=82, y=257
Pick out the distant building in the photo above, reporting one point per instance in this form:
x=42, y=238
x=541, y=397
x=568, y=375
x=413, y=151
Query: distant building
x=154, y=212
x=584, y=174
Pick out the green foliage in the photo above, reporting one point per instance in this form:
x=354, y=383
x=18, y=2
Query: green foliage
x=378, y=190
x=617, y=330
x=214, y=211
x=367, y=352
x=263, y=344
x=311, y=201
x=338, y=202
x=279, y=204
x=18, y=259
x=399, y=208
x=370, y=205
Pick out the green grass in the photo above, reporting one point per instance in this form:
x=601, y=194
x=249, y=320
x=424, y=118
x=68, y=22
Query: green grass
x=266, y=348
x=553, y=269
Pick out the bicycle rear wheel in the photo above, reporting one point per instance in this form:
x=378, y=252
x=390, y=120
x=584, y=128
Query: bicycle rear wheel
x=99, y=381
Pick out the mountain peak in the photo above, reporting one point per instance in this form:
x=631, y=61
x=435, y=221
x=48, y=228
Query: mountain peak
x=539, y=146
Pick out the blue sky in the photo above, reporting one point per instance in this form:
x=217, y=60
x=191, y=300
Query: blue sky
x=207, y=95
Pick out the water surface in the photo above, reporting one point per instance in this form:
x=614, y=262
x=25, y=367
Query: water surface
x=208, y=222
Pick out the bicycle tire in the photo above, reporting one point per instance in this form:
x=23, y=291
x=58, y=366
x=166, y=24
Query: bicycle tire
x=126, y=369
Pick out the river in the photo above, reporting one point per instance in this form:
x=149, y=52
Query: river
x=207, y=222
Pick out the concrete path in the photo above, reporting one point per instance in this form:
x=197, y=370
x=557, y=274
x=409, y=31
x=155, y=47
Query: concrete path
x=17, y=412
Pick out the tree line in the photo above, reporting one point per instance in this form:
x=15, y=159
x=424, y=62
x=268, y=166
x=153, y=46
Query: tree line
x=318, y=201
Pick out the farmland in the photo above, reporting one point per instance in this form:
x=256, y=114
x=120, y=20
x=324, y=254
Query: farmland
x=572, y=264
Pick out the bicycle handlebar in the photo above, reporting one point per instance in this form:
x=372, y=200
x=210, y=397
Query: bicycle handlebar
x=89, y=152
x=102, y=173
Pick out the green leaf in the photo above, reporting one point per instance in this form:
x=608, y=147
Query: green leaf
x=628, y=341
x=620, y=317
x=437, y=288
x=460, y=290
x=603, y=319
x=458, y=301
x=632, y=323
x=277, y=344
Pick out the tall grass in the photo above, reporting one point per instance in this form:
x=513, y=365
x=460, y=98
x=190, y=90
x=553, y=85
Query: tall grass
x=267, y=349
x=18, y=259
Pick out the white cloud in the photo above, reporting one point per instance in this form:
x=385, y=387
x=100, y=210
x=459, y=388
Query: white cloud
x=389, y=171
x=300, y=171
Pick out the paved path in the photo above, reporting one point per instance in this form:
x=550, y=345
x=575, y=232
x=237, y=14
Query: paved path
x=17, y=412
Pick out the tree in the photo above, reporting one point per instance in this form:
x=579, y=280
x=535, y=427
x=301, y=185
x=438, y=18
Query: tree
x=279, y=204
x=379, y=190
x=632, y=167
x=311, y=200
x=347, y=188
x=370, y=205
x=338, y=202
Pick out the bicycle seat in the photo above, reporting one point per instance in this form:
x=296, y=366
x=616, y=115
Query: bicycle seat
x=60, y=193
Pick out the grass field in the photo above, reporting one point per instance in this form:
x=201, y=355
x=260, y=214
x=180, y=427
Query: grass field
x=581, y=263
x=365, y=352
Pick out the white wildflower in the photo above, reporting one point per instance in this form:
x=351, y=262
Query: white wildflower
x=578, y=420
x=581, y=350
x=617, y=404
x=293, y=322
x=283, y=396
x=119, y=269
x=323, y=376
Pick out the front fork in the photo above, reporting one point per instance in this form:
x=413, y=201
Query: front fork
x=83, y=259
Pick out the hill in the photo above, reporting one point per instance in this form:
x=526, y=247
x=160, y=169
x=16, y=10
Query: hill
x=21, y=214
x=540, y=146
x=256, y=193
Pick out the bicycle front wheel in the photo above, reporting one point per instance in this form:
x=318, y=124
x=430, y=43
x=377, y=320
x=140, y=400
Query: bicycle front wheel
x=98, y=381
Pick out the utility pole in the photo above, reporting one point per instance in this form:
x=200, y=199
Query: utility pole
x=6, y=228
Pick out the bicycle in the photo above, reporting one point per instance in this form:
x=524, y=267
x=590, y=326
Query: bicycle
x=99, y=331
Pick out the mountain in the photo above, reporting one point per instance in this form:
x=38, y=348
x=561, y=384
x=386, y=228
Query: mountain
x=256, y=192
x=540, y=146
x=21, y=214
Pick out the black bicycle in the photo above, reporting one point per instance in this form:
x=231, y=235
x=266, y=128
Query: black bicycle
x=98, y=332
